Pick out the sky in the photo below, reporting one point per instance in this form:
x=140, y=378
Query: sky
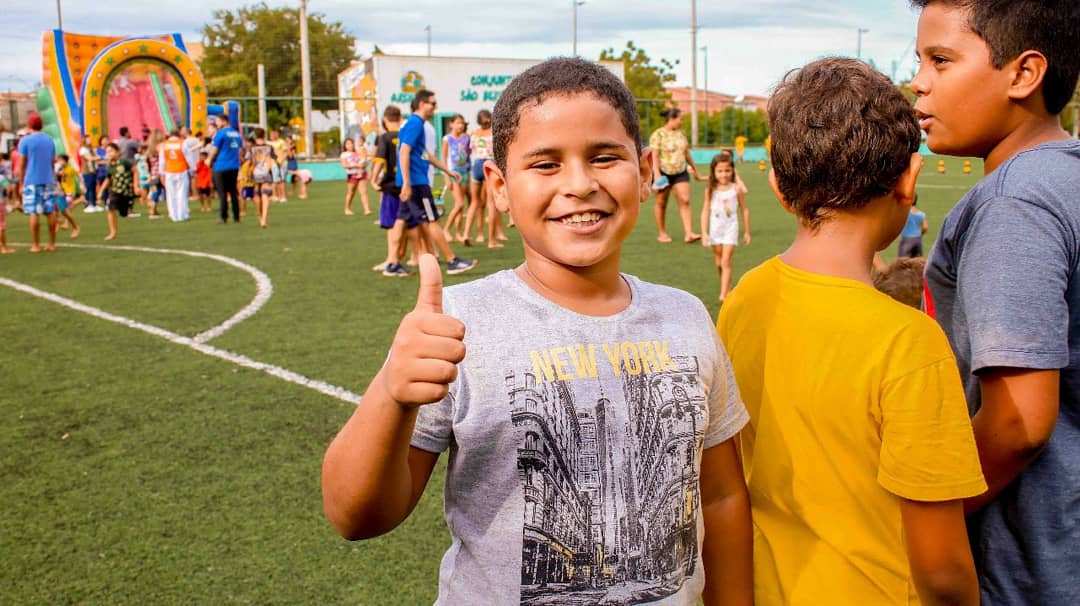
x=750, y=44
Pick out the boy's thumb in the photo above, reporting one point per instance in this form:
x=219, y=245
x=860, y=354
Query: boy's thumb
x=430, y=296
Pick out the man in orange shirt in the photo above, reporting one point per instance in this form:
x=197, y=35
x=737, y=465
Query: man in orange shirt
x=177, y=182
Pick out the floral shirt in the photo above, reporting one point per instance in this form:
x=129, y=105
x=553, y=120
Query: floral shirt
x=671, y=147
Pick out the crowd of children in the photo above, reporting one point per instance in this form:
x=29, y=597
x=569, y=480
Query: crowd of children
x=824, y=443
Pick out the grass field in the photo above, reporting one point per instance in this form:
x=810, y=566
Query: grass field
x=139, y=471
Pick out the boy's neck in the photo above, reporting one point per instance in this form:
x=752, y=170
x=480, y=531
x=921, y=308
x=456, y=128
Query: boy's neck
x=843, y=246
x=598, y=290
x=1042, y=128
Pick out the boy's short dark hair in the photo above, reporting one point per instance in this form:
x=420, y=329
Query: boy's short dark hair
x=64, y=157
x=124, y=132
x=842, y=134
x=903, y=280
x=204, y=155
x=1010, y=27
x=113, y=146
x=560, y=76
x=392, y=113
x=259, y=133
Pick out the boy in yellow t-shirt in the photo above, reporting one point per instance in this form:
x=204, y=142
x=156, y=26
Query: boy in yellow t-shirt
x=855, y=401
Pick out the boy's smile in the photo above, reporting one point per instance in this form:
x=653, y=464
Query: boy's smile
x=962, y=98
x=573, y=181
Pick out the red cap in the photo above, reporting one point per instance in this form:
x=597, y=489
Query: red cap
x=34, y=121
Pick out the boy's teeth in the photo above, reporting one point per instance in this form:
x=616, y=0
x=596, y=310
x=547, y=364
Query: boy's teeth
x=581, y=218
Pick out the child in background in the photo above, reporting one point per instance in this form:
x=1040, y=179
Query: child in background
x=1002, y=277
x=245, y=179
x=479, y=152
x=720, y=216
x=859, y=451
x=303, y=177
x=157, y=187
x=291, y=168
x=204, y=183
x=4, y=249
x=911, y=237
x=119, y=182
x=903, y=280
x=70, y=192
x=142, y=168
x=262, y=162
x=626, y=457
x=456, y=158
x=355, y=177
x=383, y=176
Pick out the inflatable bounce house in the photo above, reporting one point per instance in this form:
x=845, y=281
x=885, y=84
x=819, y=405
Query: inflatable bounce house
x=97, y=84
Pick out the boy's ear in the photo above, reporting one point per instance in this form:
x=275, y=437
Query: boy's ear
x=1028, y=71
x=904, y=192
x=776, y=190
x=645, y=172
x=496, y=182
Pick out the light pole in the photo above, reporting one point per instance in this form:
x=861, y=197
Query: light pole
x=858, y=46
x=693, y=74
x=59, y=16
x=705, y=55
x=575, y=4
x=305, y=79
x=428, y=30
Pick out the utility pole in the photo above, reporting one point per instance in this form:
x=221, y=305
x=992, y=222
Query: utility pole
x=705, y=53
x=693, y=74
x=305, y=79
x=261, y=74
x=575, y=4
x=858, y=45
x=428, y=30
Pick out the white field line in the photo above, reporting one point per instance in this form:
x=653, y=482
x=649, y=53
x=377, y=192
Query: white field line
x=264, y=288
x=240, y=360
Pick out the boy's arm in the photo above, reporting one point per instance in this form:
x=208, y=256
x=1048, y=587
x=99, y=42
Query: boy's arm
x=925, y=225
x=371, y=477
x=22, y=170
x=378, y=166
x=705, y=220
x=746, y=218
x=404, y=164
x=728, y=550
x=1018, y=414
x=939, y=554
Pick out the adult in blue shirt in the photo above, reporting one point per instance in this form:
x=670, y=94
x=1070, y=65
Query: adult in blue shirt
x=225, y=162
x=911, y=237
x=417, y=209
x=36, y=181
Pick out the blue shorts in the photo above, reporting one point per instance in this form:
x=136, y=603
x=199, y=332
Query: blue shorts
x=420, y=208
x=41, y=200
x=478, y=170
x=388, y=211
x=247, y=193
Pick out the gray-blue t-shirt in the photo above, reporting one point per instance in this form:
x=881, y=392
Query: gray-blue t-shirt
x=1003, y=283
x=575, y=447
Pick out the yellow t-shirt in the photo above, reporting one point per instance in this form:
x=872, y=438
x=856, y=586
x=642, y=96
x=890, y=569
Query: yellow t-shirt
x=855, y=401
x=69, y=180
x=670, y=146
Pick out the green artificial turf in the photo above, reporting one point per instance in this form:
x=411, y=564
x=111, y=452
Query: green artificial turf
x=138, y=471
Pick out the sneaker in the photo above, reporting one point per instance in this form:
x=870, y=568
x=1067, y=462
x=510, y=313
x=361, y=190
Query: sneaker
x=460, y=266
x=396, y=270
x=134, y=215
x=380, y=266
x=89, y=209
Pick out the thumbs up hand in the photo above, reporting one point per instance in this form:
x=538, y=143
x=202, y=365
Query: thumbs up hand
x=427, y=347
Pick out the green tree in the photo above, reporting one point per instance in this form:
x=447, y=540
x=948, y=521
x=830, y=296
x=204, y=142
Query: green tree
x=237, y=41
x=645, y=80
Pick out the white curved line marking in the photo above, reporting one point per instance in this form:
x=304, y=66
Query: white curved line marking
x=195, y=343
x=320, y=386
x=264, y=288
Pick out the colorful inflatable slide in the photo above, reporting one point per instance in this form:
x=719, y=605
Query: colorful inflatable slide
x=96, y=84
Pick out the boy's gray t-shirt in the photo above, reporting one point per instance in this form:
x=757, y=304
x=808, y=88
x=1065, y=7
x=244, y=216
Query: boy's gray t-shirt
x=1002, y=281
x=575, y=446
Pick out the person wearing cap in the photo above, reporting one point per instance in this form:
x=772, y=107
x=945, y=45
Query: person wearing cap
x=37, y=152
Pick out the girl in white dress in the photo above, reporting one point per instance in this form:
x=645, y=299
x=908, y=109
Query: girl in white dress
x=724, y=200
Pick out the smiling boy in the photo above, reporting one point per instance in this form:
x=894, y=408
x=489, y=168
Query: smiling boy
x=1002, y=278
x=589, y=416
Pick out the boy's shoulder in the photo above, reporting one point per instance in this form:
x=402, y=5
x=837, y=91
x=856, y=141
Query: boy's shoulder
x=1042, y=174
